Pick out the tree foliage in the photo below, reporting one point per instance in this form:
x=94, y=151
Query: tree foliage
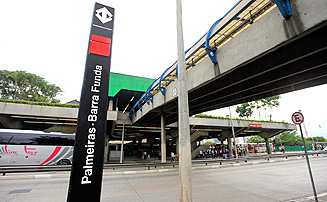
x=256, y=139
x=21, y=85
x=287, y=138
x=246, y=109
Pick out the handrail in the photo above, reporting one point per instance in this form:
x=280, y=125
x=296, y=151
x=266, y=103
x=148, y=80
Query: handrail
x=203, y=47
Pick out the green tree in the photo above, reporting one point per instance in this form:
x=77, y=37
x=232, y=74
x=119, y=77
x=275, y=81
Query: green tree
x=256, y=139
x=246, y=109
x=315, y=139
x=21, y=85
x=289, y=138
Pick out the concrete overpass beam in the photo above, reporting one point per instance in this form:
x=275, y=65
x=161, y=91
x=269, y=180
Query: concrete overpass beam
x=225, y=134
x=61, y=129
x=173, y=133
x=10, y=123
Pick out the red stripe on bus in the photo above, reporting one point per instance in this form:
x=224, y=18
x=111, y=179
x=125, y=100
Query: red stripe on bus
x=54, y=153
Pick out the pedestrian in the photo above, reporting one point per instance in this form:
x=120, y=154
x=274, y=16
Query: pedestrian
x=172, y=155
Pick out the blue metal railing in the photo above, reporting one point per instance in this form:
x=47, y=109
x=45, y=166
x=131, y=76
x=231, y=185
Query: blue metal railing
x=244, y=12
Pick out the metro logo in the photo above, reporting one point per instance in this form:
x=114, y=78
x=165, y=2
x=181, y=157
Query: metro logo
x=104, y=15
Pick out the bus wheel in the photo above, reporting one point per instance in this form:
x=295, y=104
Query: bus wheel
x=63, y=162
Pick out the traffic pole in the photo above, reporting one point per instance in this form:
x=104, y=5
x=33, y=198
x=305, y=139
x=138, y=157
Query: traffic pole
x=309, y=167
x=185, y=161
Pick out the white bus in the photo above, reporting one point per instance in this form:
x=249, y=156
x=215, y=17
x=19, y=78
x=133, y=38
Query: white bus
x=35, y=148
x=251, y=147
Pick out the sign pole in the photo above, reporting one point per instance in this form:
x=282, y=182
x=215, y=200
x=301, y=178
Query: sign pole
x=308, y=163
x=298, y=118
x=87, y=168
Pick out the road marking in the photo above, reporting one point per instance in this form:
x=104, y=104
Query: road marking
x=129, y=172
x=43, y=176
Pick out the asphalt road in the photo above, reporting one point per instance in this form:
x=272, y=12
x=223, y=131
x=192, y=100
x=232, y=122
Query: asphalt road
x=277, y=181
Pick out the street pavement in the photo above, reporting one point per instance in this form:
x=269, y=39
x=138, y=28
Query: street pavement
x=274, y=180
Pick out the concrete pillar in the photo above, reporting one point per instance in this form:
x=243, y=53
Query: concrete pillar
x=177, y=146
x=106, y=149
x=122, y=145
x=229, y=145
x=268, y=146
x=163, y=139
x=111, y=105
x=231, y=122
x=185, y=157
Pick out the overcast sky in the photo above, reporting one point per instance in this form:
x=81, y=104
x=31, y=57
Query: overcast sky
x=50, y=39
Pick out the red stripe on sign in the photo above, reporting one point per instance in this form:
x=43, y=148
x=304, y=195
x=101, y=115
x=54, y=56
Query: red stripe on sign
x=54, y=153
x=100, y=39
x=100, y=45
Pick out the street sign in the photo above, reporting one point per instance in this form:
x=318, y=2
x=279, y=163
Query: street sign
x=256, y=125
x=297, y=118
x=87, y=168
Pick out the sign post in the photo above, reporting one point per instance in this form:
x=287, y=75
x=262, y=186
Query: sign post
x=86, y=174
x=297, y=119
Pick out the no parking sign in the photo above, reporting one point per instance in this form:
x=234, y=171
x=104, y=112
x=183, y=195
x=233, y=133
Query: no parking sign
x=297, y=118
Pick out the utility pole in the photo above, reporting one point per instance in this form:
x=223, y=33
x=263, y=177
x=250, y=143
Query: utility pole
x=185, y=161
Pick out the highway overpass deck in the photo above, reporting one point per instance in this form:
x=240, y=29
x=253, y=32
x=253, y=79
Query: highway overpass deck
x=268, y=56
x=64, y=119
